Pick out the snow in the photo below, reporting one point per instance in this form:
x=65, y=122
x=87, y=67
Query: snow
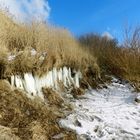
x=106, y=114
x=138, y=97
x=33, y=52
x=11, y=57
x=33, y=84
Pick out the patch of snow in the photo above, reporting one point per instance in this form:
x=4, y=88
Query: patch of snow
x=137, y=99
x=33, y=52
x=11, y=57
x=106, y=114
x=42, y=56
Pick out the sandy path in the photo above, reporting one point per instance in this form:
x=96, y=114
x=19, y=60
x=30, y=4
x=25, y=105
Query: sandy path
x=107, y=114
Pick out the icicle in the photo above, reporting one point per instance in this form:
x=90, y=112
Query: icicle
x=30, y=83
x=50, y=78
x=47, y=82
x=65, y=75
x=33, y=85
x=12, y=80
x=77, y=78
x=18, y=82
x=60, y=75
x=38, y=87
x=37, y=84
x=70, y=77
x=55, y=78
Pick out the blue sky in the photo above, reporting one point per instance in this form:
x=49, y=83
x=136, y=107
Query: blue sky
x=82, y=16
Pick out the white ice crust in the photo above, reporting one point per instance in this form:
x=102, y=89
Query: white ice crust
x=105, y=114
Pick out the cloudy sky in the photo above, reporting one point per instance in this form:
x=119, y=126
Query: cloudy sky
x=25, y=10
x=80, y=16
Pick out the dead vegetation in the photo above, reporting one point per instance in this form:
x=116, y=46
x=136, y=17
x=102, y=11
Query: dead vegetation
x=55, y=47
x=121, y=61
x=53, y=97
x=23, y=118
x=3, y=61
x=7, y=134
x=76, y=92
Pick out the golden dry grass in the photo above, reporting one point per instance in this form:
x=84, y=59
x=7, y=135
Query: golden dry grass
x=59, y=45
x=53, y=97
x=3, y=60
x=121, y=61
x=7, y=134
x=29, y=119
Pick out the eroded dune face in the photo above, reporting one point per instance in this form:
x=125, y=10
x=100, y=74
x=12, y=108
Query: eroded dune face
x=33, y=84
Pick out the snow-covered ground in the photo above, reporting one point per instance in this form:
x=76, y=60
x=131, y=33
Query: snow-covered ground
x=107, y=114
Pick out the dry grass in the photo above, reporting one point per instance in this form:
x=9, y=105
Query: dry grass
x=3, y=61
x=121, y=61
x=29, y=119
x=76, y=92
x=61, y=47
x=53, y=97
x=7, y=134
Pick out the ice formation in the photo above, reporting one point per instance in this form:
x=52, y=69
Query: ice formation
x=33, y=84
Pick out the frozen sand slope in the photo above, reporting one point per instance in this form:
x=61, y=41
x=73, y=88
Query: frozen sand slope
x=106, y=114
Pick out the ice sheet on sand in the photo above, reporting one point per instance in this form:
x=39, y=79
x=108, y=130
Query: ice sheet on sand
x=106, y=114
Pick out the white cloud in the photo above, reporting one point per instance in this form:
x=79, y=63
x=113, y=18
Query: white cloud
x=108, y=35
x=25, y=10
